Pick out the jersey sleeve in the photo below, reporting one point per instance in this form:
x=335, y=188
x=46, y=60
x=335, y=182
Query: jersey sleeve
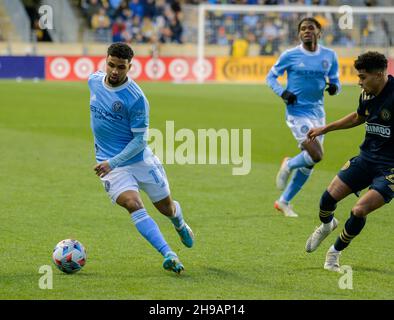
x=278, y=69
x=94, y=76
x=281, y=65
x=139, y=118
x=333, y=74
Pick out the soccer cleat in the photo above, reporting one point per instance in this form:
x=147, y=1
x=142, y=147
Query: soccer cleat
x=283, y=174
x=172, y=263
x=332, y=260
x=187, y=236
x=285, y=208
x=319, y=235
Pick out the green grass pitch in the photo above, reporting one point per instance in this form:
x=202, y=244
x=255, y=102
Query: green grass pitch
x=244, y=248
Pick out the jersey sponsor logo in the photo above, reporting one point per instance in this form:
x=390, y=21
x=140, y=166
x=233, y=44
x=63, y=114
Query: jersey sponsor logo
x=378, y=129
x=117, y=106
x=100, y=113
x=385, y=115
x=310, y=73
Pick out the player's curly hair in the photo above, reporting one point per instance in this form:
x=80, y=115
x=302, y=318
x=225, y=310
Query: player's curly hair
x=309, y=19
x=120, y=50
x=371, y=61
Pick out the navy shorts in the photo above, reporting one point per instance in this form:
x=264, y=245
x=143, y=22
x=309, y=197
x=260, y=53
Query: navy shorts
x=359, y=173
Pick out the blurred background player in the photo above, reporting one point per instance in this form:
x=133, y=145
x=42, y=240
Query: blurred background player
x=125, y=164
x=373, y=167
x=308, y=66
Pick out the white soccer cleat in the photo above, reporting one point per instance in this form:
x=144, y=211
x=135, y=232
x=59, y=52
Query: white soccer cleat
x=332, y=260
x=285, y=208
x=283, y=175
x=319, y=235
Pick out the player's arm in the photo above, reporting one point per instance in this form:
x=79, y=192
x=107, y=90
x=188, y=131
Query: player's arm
x=272, y=79
x=351, y=120
x=333, y=85
x=133, y=148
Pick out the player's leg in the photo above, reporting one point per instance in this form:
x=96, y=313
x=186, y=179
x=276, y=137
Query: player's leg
x=311, y=151
x=302, y=163
x=352, y=178
x=380, y=193
x=336, y=191
x=173, y=211
x=122, y=188
x=371, y=201
x=146, y=226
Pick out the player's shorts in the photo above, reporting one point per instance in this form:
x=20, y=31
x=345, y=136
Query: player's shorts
x=148, y=175
x=300, y=126
x=359, y=173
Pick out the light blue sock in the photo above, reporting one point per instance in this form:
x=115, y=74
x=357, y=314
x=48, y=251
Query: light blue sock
x=177, y=220
x=150, y=230
x=303, y=159
x=299, y=178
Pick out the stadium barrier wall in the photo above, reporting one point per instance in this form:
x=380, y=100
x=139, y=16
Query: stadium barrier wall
x=22, y=67
x=170, y=69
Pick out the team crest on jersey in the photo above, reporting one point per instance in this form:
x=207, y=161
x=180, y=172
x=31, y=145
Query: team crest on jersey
x=107, y=185
x=325, y=64
x=385, y=115
x=117, y=106
x=304, y=129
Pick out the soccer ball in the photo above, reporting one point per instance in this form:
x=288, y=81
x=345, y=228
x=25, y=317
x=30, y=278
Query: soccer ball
x=69, y=256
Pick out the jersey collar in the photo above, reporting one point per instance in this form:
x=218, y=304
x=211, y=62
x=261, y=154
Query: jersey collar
x=309, y=53
x=116, y=89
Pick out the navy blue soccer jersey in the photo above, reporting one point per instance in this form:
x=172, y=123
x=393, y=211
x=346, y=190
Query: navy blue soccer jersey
x=378, y=145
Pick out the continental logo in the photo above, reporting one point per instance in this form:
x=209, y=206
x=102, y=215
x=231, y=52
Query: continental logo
x=234, y=69
x=378, y=129
x=243, y=69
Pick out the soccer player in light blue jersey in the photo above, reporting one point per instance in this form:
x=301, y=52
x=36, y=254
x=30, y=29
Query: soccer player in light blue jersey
x=311, y=70
x=125, y=164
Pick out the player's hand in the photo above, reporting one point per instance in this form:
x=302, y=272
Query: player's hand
x=332, y=89
x=102, y=169
x=289, y=97
x=315, y=132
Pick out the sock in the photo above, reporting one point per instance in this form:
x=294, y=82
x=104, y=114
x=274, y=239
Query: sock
x=303, y=159
x=327, y=207
x=177, y=220
x=150, y=230
x=332, y=248
x=298, y=180
x=353, y=227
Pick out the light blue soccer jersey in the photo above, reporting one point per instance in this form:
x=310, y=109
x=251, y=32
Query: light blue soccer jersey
x=307, y=74
x=115, y=114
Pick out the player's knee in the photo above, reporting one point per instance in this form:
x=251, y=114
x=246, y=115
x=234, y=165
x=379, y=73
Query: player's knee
x=317, y=156
x=132, y=204
x=360, y=211
x=327, y=202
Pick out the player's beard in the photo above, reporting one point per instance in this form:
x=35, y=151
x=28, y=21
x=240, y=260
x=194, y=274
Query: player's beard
x=115, y=82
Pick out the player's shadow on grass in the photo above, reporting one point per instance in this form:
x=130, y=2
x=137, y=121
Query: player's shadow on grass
x=224, y=274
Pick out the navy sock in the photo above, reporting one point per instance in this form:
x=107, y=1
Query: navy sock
x=353, y=227
x=327, y=207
